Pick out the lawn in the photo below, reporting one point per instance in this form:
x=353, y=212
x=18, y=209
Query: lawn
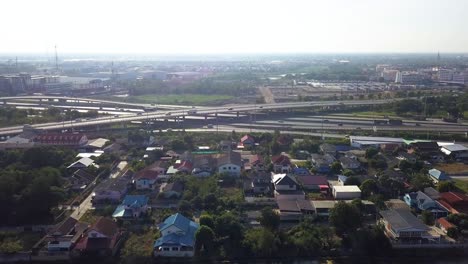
x=453, y=168
x=181, y=99
x=462, y=185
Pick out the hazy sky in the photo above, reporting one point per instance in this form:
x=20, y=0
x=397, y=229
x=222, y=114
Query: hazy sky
x=233, y=26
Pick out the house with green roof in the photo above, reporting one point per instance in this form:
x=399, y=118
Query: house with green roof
x=177, y=237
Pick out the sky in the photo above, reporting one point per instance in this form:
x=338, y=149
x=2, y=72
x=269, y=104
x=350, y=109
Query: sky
x=233, y=26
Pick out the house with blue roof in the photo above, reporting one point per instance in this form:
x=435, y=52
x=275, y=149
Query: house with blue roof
x=132, y=206
x=422, y=202
x=437, y=175
x=177, y=237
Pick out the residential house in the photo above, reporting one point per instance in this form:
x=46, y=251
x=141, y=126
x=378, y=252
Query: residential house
x=437, y=175
x=103, y=238
x=114, y=148
x=403, y=226
x=281, y=164
x=177, y=237
x=81, y=179
x=444, y=224
x=145, y=180
x=322, y=163
x=255, y=162
x=427, y=149
x=349, y=163
x=294, y=209
x=342, y=180
x=455, y=151
x=299, y=171
x=96, y=144
x=329, y=149
x=422, y=202
x=259, y=184
x=411, y=158
x=180, y=166
x=247, y=141
x=112, y=190
x=82, y=163
x=61, y=139
x=322, y=208
x=132, y=206
x=203, y=165
x=454, y=202
x=432, y=193
x=389, y=148
x=286, y=187
x=347, y=192
x=314, y=183
x=226, y=145
x=229, y=163
x=173, y=190
x=302, y=154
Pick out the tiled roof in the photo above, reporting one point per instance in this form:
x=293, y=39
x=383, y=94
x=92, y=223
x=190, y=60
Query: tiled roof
x=138, y=200
x=401, y=219
x=444, y=223
x=281, y=159
x=105, y=226
x=313, y=180
x=440, y=175
x=57, y=138
x=231, y=157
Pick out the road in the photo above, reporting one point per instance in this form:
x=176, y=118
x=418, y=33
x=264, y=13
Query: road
x=181, y=113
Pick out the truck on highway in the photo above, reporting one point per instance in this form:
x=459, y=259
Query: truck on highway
x=380, y=122
x=209, y=126
x=192, y=111
x=395, y=122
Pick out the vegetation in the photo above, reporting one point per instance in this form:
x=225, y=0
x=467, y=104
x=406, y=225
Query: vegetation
x=345, y=217
x=181, y=99
x=138, y=248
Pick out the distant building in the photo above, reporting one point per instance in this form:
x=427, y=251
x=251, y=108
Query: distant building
x=61, y=139
x=408, y=77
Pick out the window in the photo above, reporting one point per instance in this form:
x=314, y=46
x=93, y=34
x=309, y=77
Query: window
x=175, y=249
x=229, y=168
x=166, y=249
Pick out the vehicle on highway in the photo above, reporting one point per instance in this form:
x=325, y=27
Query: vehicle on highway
x=417, y=124
x=340, y=124
x=326, y=120
x=192, y=111
x=116, y=115
x=280, y=121
x=358, y=128
x=169, y=130
x=168, y=113
x=78, y=120
x=261, y=107
x=209, y=126
x=230, y=108
x=139, y=114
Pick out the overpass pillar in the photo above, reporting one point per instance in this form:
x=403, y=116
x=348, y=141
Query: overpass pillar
x=183, y=118
x=237, y=113
x=206, y=117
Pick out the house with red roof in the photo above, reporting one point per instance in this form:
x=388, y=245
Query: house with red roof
x=444, y=224
x=247, y=140
x=281, y=164
x=61, y=139
x=102, y=239
x=454, y=202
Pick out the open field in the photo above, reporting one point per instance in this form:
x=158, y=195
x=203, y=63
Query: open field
x=462, y=185
x=453, y=168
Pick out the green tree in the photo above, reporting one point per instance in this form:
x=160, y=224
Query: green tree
x=207, y=220
x=261, y=242
x=368, y=187
x=452, y=232
x=336, y=167
x=204, y=241
x=353, y=180
x=427, y=217
x=371, y=152
x=345, y=217
x=270, y=219
x=445, y=186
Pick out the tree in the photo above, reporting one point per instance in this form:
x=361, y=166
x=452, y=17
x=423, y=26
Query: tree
x=345, y=217
x=371, y=152
x=269, y=219
x=368, y=187
x=421, y=181
x=353, y=180
x=336, y=167
x=207, y=220
x=178, y=144
x=204, y=238
x=427, y=217
x=260, y=241
x=452, y=232
x=445, y=186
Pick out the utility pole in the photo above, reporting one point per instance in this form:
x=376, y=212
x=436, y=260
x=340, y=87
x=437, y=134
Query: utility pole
x=56, y=59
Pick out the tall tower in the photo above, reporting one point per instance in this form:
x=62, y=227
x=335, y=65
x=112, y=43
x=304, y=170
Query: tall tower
x=56, y=59
x=438, y=60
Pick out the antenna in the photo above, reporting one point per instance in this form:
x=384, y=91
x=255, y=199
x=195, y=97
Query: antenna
x=56, y=58
x=438, y=60
x=16, y=63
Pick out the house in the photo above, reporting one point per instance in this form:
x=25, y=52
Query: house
x=114, y=148
x=247, y=141
x=314, y=183
x=342, y=180
x=132, y=206
x=389, y=147
x=96, y=144
x=376, y=142
x=322, y=163
x=82, y=163
x=444, y=224
x=401, y=225
x=294, y=209
x=61, y=139
x=112, y=190
x=322, y=208
x=427, y=149
x=180, y=166
x=226, y=145
x=349, y=163
x=259, y=184
x=286, y=187
x=411, y=158
x=302, y=154
x=145, y=180
x=255, y=162
x=422, y=202
x=229, y=163
x=455, y=151
x=329, y=149
x=301, y=171
x=203, y=165
x=281, y=164
x=432, y=193
x=102, y=239
x=454, y=202
x=177, y=237
x=81, y=179
x=347, y=192
x=172, y=190
x=437, y=175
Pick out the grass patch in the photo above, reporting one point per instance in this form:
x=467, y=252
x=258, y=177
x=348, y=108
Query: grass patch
x=181, y=99
x=139, y=247
x=461, y=185
x=453, y=168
